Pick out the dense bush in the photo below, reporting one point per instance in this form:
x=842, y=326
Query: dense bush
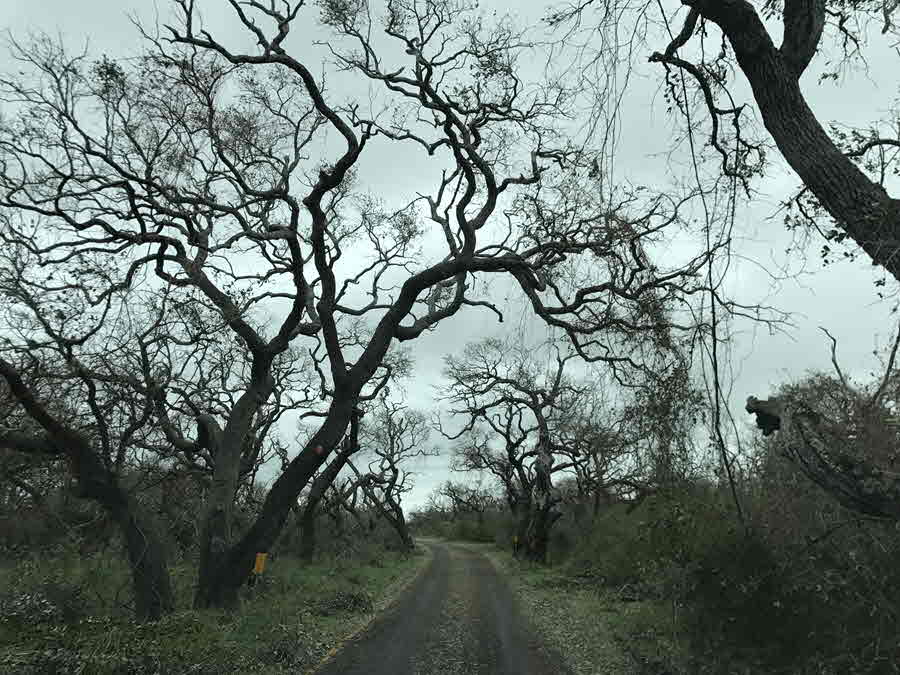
x=470, y=528
x=609, y=552
x=347, y=542
x=740, y=597
x=490, y=526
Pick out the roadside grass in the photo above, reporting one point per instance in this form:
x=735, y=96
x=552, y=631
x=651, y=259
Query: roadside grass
x=70, y=615
x=595, y=629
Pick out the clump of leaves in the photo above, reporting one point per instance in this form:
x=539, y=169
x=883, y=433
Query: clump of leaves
x=344, y=601
x=52, y=602
x=28, y=608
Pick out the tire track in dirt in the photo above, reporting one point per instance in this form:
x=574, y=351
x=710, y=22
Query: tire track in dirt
x=392, y=640
x=458, y=618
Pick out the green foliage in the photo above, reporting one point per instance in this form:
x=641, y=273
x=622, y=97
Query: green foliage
x=469, y=528
x=466, y=527
x=610, y=552
x=734, y=599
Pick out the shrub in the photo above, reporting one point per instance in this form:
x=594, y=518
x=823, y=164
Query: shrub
x=612, y=551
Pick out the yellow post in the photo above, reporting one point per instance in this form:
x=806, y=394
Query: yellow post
x=260, y=565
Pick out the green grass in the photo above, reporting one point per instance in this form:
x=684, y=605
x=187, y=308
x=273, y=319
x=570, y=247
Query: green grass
x=288, y=623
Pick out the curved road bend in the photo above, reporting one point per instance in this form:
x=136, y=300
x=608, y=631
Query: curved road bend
x=458, y=617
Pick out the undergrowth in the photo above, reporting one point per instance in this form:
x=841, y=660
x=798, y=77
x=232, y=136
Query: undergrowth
x=61, y=613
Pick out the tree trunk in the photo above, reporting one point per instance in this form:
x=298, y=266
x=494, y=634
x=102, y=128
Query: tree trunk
x=215, y=537
x=218, y=584
x=308, y=532
x=392, y=512
x=536, y=517
x=860, y=206
x=146, y=555
x=145, y=549
x=539, y=516
x=226, y=447
x=522, y=515
x=320, y=486
x=147, y=559
x=536, y=525
x=402, y=529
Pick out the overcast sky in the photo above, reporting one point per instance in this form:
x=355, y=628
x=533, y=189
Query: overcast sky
x=840, y=297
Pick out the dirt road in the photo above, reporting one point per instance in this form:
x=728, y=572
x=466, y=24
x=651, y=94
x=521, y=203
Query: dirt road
x=458, y=617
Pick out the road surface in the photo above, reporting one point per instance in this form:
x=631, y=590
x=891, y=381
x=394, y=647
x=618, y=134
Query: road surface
x=458, y=616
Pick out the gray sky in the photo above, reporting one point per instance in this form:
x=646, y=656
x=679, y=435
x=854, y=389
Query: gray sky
x=840, y=297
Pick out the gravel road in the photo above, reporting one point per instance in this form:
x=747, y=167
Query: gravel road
x=458, y=617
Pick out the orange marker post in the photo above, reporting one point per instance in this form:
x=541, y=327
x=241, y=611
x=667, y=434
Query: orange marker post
x=258, y=567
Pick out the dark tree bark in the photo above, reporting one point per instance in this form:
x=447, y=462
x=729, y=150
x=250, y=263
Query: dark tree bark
x=860, y=206
x=540, y=515
x=320, y=485
x=308, y=531
x=219, y=584
x=521, y=516
x=536, y=518
x=147, y=558
x=390, y=510
x=538, y=525
x=393, y=513
x=406, y=537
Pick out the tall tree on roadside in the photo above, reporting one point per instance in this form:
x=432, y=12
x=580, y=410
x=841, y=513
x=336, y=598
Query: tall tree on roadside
x=97, y=479
x=517, y=427
x=604, y=442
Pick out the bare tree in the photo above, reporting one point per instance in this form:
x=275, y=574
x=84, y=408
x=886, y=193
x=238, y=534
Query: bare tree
x=846, y=174
x=503, y=396
x=343, y=497
x=60, y=378
x=96, y=480
x=193, y=162
x=142, y=369
x=394, y=436
x=26, y=479
x=465, y=499
x=603, y=442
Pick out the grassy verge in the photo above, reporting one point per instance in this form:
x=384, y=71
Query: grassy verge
x=597, y=630
x=287, y=623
